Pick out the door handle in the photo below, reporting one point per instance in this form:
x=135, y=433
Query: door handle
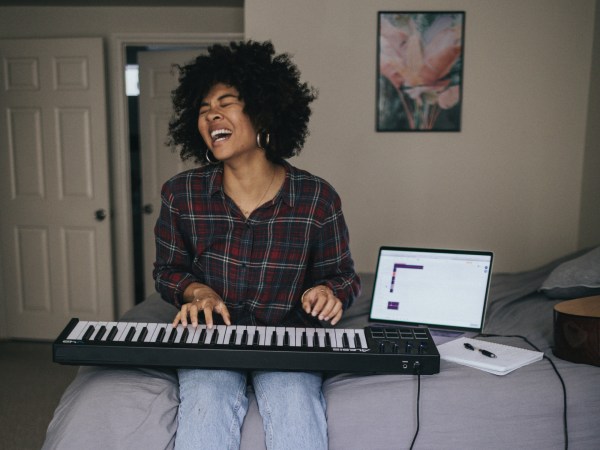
x=100, y=215
x=148, y=208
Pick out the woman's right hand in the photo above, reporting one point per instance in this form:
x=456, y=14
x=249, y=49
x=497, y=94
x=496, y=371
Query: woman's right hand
x=198, y=298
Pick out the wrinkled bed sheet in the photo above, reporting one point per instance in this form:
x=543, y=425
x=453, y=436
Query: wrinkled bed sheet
x=460, y=408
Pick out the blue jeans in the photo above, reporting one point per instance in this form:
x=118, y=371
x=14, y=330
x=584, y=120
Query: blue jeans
x=213, y=404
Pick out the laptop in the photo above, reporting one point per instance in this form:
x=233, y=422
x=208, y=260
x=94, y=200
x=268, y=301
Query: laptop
x=445, y=290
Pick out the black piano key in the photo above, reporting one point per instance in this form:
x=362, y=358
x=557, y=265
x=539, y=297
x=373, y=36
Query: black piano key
x=161, y=335
x=202, y=336
x=143, y=334
x=232, y=338
x=130, y=334
x=304, y=340
x=244, y=340
x=184, y=336
x=100, y=334
x=112, y=333
x=172, y=335
x=357, y=342
x=88, y=333
x=345, y=342
x=256, y=338
x=286, y=339
x=316, y=342
x=215, y=337
x=274, y=338
x=327, y=340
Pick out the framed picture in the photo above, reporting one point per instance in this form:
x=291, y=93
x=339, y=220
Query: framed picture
x=420, y=71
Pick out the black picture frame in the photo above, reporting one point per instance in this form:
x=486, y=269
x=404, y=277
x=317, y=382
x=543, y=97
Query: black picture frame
x=420, y=58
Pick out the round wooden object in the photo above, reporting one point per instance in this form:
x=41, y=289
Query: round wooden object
x=577, y=330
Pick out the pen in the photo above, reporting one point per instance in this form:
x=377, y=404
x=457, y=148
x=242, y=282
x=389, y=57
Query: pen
x=482, y=351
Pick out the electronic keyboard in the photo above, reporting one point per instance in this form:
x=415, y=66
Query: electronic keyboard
x=379, y=349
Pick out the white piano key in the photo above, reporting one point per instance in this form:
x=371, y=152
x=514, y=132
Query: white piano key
x=298, y=337
x=122, y=328
x=97, y=326
x=77, y=332
x=339, y=338
x=332, y=338
x=363, y=339
x=178, y=334
x=151, y=330
x=109, y=327
x=228, y=333
x=138, y=330
x=291, y=336
x=222, y=329
x=159, y=326
x=262, y=333
x=239, y=333
x=197, y=333
x=251, y=329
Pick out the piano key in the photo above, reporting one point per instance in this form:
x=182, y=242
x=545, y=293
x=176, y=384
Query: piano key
x=142, y=335
x=130, y=333
x=291, y=333
x=151, y=330
x=88, y=333
x=121, y=331
x=78, y=331
x=110, y=337
x=101, y=333
x=138, y=330
x=262, y=335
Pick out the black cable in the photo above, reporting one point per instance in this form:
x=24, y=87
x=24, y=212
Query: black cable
x=418, y=370
x=564, y=388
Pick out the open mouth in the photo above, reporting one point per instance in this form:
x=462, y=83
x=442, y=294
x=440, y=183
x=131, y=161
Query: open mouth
x=220, y=135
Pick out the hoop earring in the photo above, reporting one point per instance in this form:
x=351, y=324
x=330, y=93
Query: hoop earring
x=259, y=139
x=211, y=162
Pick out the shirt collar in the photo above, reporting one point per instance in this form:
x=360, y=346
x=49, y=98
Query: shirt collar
x=287, y=189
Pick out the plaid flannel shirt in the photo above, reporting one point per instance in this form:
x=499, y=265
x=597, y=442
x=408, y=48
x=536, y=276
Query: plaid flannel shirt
x=261, y=265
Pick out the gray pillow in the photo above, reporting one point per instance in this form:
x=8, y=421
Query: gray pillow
x=579, y=277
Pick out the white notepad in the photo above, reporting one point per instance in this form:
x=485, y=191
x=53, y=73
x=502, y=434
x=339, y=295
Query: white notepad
x=508, y=358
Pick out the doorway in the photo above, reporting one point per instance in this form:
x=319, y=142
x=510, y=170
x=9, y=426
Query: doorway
x=151, y=78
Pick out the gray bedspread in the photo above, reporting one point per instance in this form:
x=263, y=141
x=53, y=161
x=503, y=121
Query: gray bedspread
x=460, y=408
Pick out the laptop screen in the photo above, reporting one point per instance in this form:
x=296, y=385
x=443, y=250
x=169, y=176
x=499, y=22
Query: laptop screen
x=445, y=289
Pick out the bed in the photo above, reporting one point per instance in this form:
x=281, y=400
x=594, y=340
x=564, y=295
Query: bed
x=461, y=407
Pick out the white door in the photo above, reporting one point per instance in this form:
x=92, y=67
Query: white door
x=157, y=79
x=54, y=200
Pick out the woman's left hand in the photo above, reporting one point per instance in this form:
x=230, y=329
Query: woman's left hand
x=320, y=301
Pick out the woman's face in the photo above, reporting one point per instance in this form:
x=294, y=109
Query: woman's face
x=223, y=124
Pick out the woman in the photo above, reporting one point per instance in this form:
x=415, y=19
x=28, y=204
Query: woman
x=249, y=239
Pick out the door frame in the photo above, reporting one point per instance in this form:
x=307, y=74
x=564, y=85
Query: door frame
x=120, y=169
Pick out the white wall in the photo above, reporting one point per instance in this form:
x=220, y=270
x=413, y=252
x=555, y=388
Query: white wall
x=510, y=181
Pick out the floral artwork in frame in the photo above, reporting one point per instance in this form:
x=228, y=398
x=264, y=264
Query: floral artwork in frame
x=420, y=67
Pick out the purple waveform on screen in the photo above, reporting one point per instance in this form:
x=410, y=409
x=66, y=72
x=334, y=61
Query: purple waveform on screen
x=402, y=266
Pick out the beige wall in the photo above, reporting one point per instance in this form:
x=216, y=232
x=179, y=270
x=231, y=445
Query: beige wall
x=589, y=230
x=510, y=181
x=33, y=22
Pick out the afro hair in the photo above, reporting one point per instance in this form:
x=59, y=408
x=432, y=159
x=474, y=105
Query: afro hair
x=275, y=99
